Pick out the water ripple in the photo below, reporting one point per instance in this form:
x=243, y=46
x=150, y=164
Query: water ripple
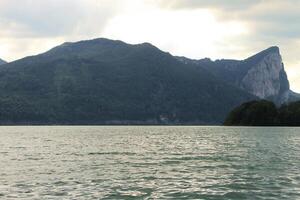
x=149, y=163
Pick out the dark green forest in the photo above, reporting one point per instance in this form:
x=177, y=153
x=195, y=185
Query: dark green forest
x=264, y=113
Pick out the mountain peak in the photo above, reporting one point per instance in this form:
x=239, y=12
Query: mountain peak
x=261, y=55
x=146, y=44
x=265, y=76
x=105, y=42
x=97, y=41
x=273, y=49
x=261, y=75
x=88, y=48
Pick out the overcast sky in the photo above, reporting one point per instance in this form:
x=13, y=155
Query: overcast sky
x=192, y=28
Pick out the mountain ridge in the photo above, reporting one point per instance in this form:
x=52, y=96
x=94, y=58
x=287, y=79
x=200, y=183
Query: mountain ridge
x=104, y=81
x=262, y=74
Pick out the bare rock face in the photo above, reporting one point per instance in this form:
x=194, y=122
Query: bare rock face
x=264, y=79
x=261, y=75
x=265, y=76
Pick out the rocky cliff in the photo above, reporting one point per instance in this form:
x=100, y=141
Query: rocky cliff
x=266, y=77
x=262, y=75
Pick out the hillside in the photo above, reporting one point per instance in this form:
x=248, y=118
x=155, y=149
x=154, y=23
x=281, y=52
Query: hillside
x=264, y=113
x=103, y=81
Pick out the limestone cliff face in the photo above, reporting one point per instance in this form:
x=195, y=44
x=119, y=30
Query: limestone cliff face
x=261, y=75
x=266, y=77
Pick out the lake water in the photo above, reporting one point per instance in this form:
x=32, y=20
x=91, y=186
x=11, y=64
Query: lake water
x=149, y=163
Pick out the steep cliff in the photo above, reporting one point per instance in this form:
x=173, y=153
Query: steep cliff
x=262, y=75
x=266, y=77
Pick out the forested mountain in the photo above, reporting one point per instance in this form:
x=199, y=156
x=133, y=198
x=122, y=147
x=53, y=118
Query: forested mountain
x=103, y=81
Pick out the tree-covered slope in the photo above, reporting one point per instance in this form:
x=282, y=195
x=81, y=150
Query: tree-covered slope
x=254, y=113
x=103, y=81
x=264, y=113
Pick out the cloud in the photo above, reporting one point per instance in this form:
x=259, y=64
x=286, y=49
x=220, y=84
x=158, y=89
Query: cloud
x=30, y=27
x=281, y=18
x=53, y=18
x=216, y=4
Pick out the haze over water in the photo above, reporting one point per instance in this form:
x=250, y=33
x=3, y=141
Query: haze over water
x=149, y=163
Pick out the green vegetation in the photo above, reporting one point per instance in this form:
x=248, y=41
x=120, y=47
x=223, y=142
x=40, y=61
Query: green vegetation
x=103, y=82
x=264, y=113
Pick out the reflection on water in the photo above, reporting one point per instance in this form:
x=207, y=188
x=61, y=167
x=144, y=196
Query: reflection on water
x=149, y=163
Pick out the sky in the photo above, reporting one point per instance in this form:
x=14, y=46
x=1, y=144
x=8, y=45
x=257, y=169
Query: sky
x=193, y=28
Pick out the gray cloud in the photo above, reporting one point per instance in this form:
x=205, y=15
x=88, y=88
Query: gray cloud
x=280, y=18
x=218, y=4
x=52, y=18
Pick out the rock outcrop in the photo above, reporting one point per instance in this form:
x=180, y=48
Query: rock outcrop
x=266, y=77
x=262, y=75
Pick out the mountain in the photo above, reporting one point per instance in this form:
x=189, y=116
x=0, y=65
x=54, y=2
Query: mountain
x=261, y=75
x=103, y=81
x=2, y=62
x=264, y=113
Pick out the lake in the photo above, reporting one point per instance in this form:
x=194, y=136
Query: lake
x=149, y=162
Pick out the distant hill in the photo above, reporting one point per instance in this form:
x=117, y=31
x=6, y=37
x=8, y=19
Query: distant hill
x=2, y=62
x=264, y=113
x=103, y=81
